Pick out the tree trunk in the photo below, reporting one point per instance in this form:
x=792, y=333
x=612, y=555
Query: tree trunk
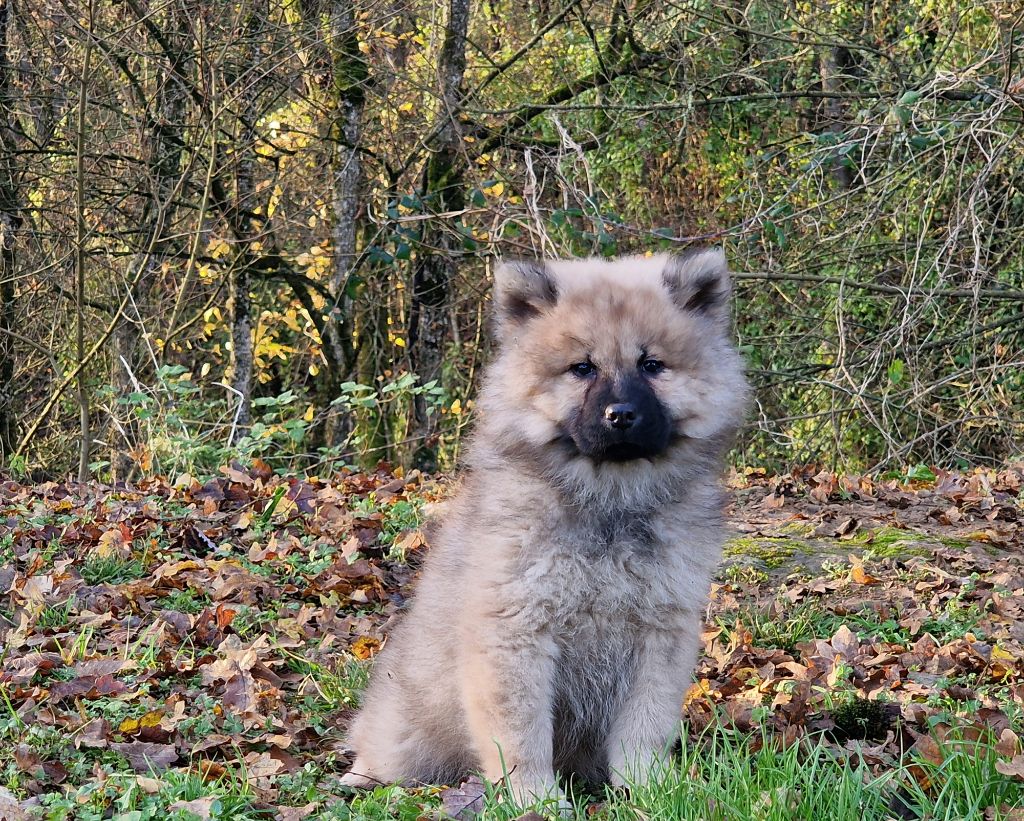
x=831, y=82
x=10, y=223
x=162, y=153
x=240, y=278
x=442, y=192
x=349, y=73
x=85, y=426
x=371, y=424
x=240, y=311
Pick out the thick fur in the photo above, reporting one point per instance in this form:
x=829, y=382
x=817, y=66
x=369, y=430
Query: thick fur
x=557, y=621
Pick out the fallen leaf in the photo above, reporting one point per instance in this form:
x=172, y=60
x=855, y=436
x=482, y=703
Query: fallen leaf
x=1013, y=768
x=145, y=756
x=296, y=813
x=364, y=647
x=260, y=765
x=465, y=801
x=11, y=808
x=203, y=807
x=94, y=733
x=117, y=541
x=150, y=786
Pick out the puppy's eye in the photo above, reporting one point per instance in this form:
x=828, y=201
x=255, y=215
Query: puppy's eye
x=652, y=366
x=582, y=369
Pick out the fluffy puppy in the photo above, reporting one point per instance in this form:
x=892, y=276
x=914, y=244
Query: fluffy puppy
x=557, y=620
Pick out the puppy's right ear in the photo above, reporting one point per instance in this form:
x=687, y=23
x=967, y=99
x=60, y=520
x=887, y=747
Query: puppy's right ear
x=523, y=288
x=698, y=280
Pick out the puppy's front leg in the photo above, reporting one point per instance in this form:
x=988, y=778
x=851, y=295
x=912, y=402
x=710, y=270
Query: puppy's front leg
x=647, y=724
x=508, y=692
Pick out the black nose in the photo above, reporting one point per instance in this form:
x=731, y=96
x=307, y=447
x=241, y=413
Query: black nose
x=620, y=416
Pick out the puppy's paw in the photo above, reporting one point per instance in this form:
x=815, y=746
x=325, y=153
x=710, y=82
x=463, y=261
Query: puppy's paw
x=558, y=807
x=541, y=794
x=359, y=779
x=640, y=767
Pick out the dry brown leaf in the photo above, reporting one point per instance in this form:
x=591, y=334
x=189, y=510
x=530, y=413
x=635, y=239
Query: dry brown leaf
x=858, y=575
x=296, y=813
x=11, y=809
x=150, y=786
x=364, y=647
x=203, y=807
x=1013, y=768
x=465, y=801
x=145, y=756
x=261, y=765
x=117, y=541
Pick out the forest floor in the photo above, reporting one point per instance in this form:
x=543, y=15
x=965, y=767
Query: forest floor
x=183, y=650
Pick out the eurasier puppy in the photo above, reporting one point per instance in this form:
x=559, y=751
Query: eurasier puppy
x=558, y=617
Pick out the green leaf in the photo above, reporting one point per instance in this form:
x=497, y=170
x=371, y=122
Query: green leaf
x=896, y=370
x=910, y=97
x=920, y=473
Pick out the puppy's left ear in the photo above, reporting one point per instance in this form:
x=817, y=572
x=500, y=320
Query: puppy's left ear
x=523, y=289
x=698, y=280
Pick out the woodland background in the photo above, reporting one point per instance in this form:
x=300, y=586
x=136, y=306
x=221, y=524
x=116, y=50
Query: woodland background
x=266, y=227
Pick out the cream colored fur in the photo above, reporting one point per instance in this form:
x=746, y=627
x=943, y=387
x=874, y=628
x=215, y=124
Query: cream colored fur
x=557, y=620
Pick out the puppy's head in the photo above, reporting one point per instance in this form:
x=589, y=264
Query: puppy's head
x=607, y=368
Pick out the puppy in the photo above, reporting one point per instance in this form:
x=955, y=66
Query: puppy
x=557, y=620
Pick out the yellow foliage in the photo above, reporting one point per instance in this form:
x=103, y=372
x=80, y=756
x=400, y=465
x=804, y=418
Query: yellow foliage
x=218, y=248
x=275, y=198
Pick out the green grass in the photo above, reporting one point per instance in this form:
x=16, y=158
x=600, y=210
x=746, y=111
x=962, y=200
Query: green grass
x=723, y=776
x=726, y=776
x=112, y=570
x=250, y=621
x=186, y=600
x=56, y=616
x=121, y=797
x=793, y=625
x=789, y=625
x=966, y=783
x=891, y=542
x=397, y=517
x=6, y=548
x=955, y=620
x=341, y=686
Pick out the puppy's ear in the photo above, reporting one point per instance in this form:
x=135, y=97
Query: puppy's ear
x=522, y=289
x=698, y=280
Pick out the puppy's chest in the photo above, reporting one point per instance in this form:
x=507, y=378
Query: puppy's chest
x=603, y=593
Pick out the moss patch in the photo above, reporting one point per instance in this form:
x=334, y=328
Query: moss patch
x=953, y=541
x=797, y=529
x=891, y=542
x=771, y=552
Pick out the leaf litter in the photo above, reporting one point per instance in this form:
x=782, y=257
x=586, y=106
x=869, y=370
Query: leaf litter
x=187, y=629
